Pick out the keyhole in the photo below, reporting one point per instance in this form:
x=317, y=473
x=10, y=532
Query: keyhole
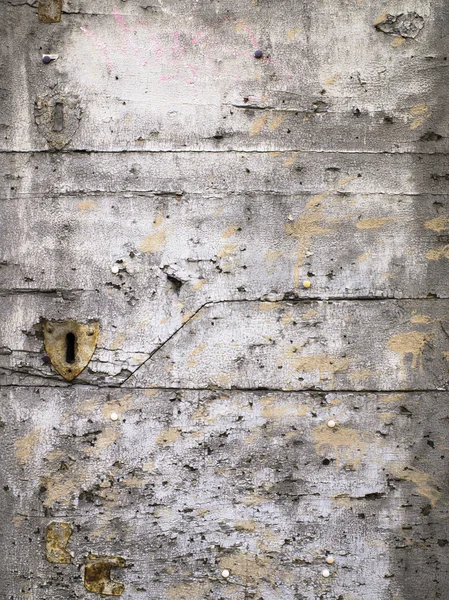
x=58, y=116
x=70, y=348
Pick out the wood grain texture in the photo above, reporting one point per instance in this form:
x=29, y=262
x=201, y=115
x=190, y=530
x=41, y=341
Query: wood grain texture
x=156, y=177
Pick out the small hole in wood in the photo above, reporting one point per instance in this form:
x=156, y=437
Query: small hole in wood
x=70, y=348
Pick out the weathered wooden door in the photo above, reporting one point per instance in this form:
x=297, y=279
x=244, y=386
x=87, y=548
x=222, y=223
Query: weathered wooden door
x=235, y=214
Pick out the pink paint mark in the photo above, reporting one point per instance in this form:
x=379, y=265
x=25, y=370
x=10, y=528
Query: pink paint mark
x=177, y=49
x=100, y=45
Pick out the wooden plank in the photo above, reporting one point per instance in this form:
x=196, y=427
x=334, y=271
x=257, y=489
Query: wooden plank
x=296, y=173
x=389, y=345
x=211, y=246
x=151, y=81
x=184, y=485
x=383, y=345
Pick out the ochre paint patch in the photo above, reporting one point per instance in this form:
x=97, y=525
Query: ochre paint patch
x=439, y=224
x=188, y=591
x=424, y=482
x=25, y=446
x=373, y=223
x=438, y=253
x=412, y=343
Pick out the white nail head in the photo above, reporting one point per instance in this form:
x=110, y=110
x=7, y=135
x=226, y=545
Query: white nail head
x=114, y=416
x=325, y=573
x=225, y=573
x=330, y=560
x=331, y=423
x=115, y=269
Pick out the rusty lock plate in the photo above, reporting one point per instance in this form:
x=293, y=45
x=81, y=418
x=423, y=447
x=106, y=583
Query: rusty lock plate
x=70, y=345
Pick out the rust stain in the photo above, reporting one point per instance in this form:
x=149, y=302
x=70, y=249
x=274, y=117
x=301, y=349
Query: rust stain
x=97, y=575
x=49, y=11
x=56, y=335
x=304, y=229
x=439, y=224
x=412, y=343
x=57, y=538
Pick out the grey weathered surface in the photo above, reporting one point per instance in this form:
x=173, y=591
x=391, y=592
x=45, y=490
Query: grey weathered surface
x=185, y=484
x=159, y=179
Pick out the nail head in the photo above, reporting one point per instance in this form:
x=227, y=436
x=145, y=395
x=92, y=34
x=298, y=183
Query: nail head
x=46, y=59
x=115, y=269
x=225, y=573
x=306, y=283
x=258, y=54
x=325, y=573
x=114, y=416
x=330, y=560
x=331, y=423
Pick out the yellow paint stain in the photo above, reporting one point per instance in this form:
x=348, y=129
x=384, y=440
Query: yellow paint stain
x=25, y=446
x=421, y=319
x=438, y=253
x=258, y=125
x=250, y=568
x=289, y=161
x=304, y=229
x=419, y=109
x=272, y=255
x=230, y=231
x=292, y=32
x=86, y=205
x=398, y=41
x=393, y=398
x=373, y=223
x=153, y=242
x=420, y=112
x=446, y=355
x=310, y=314
x=119, y=406
x=439, y=224
x=284, y=410
x=106, y=438
x=252, y=500
x=332, y=79
x=199, y=284
x=326, y=366
x=186, y=317
x=287, y=318
x=195, y=352
x=245, y=525
x=265, y=306
x=412, y=343
x=276, y=123
x=380, y=18
x=358, y=376
x=424, y=482
x=168, y=436
x=345, y=444
x=364, y=257
x=227, y=250
x=150, y=393
x=188, y=591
